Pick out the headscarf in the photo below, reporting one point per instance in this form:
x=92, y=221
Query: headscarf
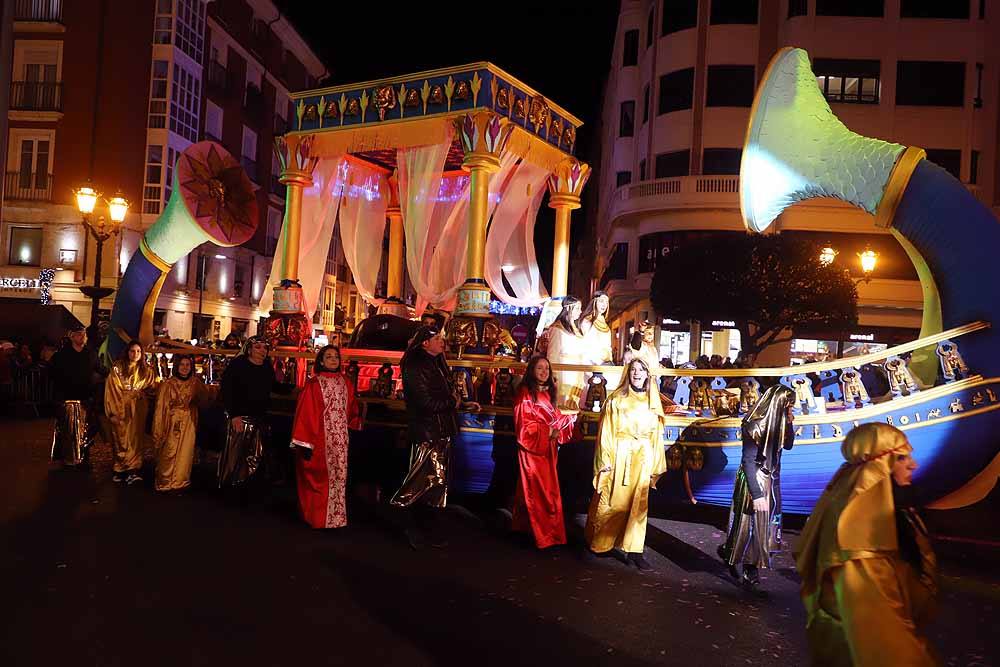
x=652, y=390
x=767, y=424
x=176, y=366
x=550, y=311
x=856, y=516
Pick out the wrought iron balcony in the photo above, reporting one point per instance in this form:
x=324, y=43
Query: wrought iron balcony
x=36, y=96
x=28, y=186
x=41, y=11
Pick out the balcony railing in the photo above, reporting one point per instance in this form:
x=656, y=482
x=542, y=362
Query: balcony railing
x=36, y=96
x=218, y=78
x=253, y=106
x=42, y=11
x=28, y=186
x=250, y=166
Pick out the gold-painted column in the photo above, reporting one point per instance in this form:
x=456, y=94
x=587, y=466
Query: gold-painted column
x=287, y=324
x=565, y=184
x=393, y=304
x=484, y=137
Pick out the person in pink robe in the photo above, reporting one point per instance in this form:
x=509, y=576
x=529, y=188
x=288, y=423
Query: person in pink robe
x=327, y=408
x=540, y=429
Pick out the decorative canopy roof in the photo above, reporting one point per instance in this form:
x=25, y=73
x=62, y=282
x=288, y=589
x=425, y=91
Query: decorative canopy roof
x=372, y=119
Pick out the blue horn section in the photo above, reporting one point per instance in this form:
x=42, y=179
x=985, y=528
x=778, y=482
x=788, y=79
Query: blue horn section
x=137, y=286
x=959, y=239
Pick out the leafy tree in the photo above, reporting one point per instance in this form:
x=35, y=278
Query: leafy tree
x=766, y=284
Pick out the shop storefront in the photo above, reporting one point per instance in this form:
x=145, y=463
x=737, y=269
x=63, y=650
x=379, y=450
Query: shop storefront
x=810, y=346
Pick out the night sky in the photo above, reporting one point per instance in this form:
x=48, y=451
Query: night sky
x=561, y=48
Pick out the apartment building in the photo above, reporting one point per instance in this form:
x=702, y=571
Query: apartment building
x=678, y=97
x=110, y=92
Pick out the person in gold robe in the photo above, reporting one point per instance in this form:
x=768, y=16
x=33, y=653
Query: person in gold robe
x=869, y=575
x=175, y=424
x=628, y=460
x=124, y=390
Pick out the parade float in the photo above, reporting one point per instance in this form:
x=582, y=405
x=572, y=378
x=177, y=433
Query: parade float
x=457, y=161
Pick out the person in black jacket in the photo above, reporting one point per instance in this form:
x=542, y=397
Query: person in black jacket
x=74, y=374
x=755, y=516
x=246, y=388
x=431, y=410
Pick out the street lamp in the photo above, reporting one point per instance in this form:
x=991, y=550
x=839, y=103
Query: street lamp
x=102, y=230
x=826, y=255
x=869, y=259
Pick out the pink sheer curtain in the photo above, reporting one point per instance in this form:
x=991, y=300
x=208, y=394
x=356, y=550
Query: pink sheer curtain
x=362, y=224
x=511, y=239
x=320, y=203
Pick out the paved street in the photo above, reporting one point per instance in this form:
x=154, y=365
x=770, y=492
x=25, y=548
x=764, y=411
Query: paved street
x=99, y=574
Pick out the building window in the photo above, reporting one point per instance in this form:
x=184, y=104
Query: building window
x=154, y=180
x=623, y=178
x=797, y=8
x=34, y=158
x=676, y=91
x=870, y=8
x=730, y=86
x=630, y=52
x=982, y=9
x=649, y=28
x=642, y=169
x=273, y=231
x=191, y=27
x=185, y=103
x=25, y=246
x=977, y=101
x=168, y=182
x=733, y=11
x=848, y=81
x=933, y=9
x=626, y=120
x=158, y=94
x=645, y=103
x=618, y=263
x=163, y=22
x=675, y=163
x=717, y=161
x=926, y=83
x=974, y=168
x=949, y=159
x=213, y=121
x=679, y=15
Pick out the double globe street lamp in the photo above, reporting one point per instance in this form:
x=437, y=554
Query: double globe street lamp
x=868, y=259
x=101, y=229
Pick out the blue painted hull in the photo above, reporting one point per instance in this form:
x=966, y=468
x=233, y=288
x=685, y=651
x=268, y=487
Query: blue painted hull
x=953, y=429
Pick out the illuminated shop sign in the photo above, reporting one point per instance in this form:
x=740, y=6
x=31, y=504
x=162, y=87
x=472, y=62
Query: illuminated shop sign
x=868, y=337
x=724, y=323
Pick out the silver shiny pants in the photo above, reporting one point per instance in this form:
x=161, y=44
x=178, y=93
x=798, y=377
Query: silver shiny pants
x=243, y=454
x=753, y=536
x=72, y=435
x=427, y=481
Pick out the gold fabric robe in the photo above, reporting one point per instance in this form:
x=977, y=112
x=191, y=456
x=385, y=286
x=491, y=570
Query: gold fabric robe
x=174, y=426
x=866, y=605
x=566, y=347
x=627, y=462
x=125, y=408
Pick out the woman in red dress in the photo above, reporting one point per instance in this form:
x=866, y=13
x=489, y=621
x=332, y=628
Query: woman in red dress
x=326, y=409
x=540, y=429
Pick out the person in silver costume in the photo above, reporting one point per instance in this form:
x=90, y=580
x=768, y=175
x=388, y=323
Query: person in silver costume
x=755, y=516
x=432, y=408
x=246, y=394
x=74, y=376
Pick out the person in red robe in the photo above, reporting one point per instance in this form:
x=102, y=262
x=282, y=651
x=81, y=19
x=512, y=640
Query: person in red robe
x=540, y=429
x=327, y=407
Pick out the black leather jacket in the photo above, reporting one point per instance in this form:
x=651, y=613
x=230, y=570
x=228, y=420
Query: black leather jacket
x=430, y=404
